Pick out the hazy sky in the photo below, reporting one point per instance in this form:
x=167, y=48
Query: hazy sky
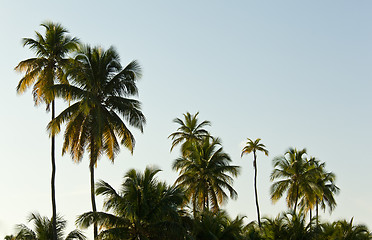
x=293, y=73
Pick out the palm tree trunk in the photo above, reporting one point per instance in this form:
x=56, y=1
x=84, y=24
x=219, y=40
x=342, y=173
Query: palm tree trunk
x=295, y=206
x=317, y=216
x=255, y=188
x=53, y=178
x=93, y=197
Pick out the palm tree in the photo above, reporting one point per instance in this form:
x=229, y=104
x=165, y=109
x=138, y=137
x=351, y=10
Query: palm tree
x=42, y=72
x=296, y=175
x=190, y=130
x=217, y=226
x=100, y=87
x=204, y=172
x=254, y=147
x=326, y=183
x=143, y=208
x=43, y=230
x=347, y=230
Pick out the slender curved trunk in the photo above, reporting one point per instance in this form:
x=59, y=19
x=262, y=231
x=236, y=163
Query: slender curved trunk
x=255, y=188
x=93, y=197
x=53, y=179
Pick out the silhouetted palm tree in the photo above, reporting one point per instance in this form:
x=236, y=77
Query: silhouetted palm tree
x=44, y=71
x=143, y=208
x=205, y=173
x=296, y=176
x=190, y=130
x=254, y=147
x=100, y=88
x=43, y=230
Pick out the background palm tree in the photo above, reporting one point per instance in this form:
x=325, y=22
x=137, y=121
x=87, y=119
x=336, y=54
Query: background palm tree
x=143, y=208
x=190, y=130
x=42, y=72
x=43, y=230
x=296, y=176
x=254, y=147
x=100, y=87
x=204, y=172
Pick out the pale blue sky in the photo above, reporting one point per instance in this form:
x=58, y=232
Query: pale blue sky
x=294, y=73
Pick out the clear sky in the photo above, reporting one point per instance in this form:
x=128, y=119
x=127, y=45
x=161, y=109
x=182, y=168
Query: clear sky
x=293, y=73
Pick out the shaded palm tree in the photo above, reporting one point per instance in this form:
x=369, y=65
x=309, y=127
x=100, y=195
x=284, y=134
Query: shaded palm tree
x=206, y=172
x=43, y=230
x=249, y=148
x=100, y=87
x=190, y=130
x=344, y=230
x=217, y=226
x=143, y=208
x=44, y=71
x=296, y=175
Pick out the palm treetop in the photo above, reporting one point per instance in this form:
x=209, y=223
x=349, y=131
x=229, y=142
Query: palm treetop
x=189, y=130
x=100, y=87
x=254, y=146
x=42, y=70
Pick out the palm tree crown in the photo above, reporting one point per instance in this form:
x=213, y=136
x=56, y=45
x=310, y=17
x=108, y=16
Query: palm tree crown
x=143, y=208
x=190, y=130
x=296, y=175
x=43, y=230
x=205, y=174
x=51, y=51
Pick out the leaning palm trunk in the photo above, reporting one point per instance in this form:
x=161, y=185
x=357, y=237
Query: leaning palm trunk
x=255, y=189
x=53, y=178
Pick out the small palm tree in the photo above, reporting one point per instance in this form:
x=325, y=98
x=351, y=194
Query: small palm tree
x=43, y=230
x=100, y=87
x=255, y=147
x=218, y=226
x=190, y=130
x=42, y=72
x=144, y=208
x=348, y=231
x=204, y=172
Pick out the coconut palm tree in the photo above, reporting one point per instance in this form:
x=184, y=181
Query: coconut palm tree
x=190, y=130
x=217, y=226
x=44, y=71
x=296, y=175
x=43, y=230
x=143, y=208
x=345, y=230
x=206, y=172
x=100, y=87
x=255, y=146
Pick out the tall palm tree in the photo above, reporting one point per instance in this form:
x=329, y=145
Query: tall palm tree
x=254, y=146
x=296, y=175
x=44, y=71
x=43, y=230
x=143, y=208
x=190, y=130
x=100, y=88
x=205, y=174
